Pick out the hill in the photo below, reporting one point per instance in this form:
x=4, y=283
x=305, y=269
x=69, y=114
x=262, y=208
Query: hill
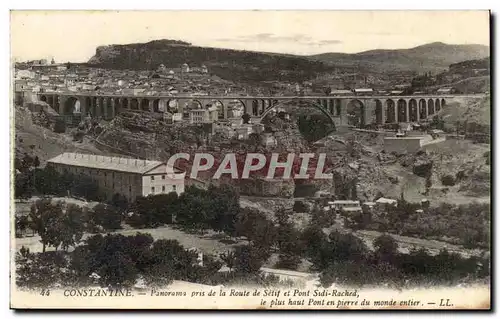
x=235, y=65
x=435, y=56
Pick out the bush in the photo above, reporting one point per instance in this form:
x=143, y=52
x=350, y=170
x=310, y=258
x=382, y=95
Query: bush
x=300, y=207
x=448, y=180
x=60, y=126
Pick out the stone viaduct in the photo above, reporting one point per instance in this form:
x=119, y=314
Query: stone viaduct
x=341, y=110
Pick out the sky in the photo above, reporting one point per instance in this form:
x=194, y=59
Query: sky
x=74, y=35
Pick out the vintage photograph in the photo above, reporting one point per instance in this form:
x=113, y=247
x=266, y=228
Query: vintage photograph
x=250, y=160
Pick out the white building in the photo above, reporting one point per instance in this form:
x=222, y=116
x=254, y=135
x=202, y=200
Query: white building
x=340, y=204
x=185, y=68
x=129, y=177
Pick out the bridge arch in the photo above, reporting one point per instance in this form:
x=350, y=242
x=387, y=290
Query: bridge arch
x=337, y=107
x=356, y=113
x=235, y=109
x=50, y=101
x=190, y=105
x=379, y=112
x=145, y=105
x=156, y=106
x=172, y=106
x=301, y=102
x=422, y=108
x=402, y=112
x=390, y=109
x=438, y=105
x=430, y=107
x=220, y=108
x=118, y=105
x=93, y=106
x=255, y=108
x=71, y=106
x=125, y=104
x=102, y=107
x=108, y=109
x=134, y=104
x=443, y=102
x=413, y=110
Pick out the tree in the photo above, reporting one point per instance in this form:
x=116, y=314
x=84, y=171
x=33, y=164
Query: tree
x=385, y=247
x=60, y=126
x=22, y=223
x=36, y=162
x=448, y=180
x=255, y=226
x=225, y=204
x=119, y=201
x=72, y=226
x=46, y=222
x=250, y=258
x=229, y=259
x=300, y=207
x=246, y=118
x=118, y=270
x=106, y=216
x=314, y=126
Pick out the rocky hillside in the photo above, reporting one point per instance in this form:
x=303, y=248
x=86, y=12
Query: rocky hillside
x=429, y=57
x=34, y=136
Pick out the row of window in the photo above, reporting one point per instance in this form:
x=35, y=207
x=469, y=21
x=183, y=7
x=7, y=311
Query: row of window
x=174, y=188
x=92, y=171
x=153, y=177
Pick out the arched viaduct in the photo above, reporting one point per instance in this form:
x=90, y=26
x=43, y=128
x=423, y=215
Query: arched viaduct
x=342, y=110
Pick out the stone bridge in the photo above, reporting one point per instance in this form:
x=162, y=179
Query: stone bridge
x=341, y=110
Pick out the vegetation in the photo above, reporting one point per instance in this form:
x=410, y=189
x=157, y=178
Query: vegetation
x=467, y=224
x=60, y=126
x=30, y=180
x=314, y=127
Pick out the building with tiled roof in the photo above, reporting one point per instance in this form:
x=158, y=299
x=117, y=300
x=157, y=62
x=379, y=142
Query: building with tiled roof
x=118, y=175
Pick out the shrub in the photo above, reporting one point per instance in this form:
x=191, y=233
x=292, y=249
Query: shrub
x=60, y=126
x=448, y=180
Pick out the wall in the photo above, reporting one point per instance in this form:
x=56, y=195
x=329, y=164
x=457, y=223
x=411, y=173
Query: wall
x=109, y=182
x=402, y=144
x=162, y=183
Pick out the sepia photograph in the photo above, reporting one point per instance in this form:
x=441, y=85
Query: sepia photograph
x=271, y=160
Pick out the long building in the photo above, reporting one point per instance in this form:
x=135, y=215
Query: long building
x=126, y=176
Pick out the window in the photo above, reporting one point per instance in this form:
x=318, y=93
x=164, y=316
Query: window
x=104, y=174
x=163, y=188
x=174, y=187
x=152, y=190
x=130, y=188
x=163, y=177
x=152, y=177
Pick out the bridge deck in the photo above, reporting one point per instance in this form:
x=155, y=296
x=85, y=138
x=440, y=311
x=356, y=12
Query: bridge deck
x=249, y=97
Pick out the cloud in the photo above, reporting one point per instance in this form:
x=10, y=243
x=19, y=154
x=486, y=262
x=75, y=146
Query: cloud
x=271, y=38
x=326, y=42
